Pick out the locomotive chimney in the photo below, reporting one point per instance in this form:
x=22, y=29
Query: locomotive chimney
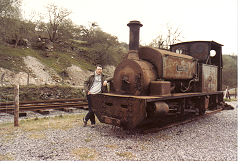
x=134, y=34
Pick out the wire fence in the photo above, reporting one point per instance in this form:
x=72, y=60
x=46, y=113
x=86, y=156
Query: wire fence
x=12, y=96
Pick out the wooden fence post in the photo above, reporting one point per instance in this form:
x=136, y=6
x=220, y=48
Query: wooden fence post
x=28, y=78
x=235, y=92
x=16, y=104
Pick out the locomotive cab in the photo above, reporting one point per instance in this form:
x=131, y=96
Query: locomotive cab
x=209, y=56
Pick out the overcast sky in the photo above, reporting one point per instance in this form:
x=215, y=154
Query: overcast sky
x=198, y=19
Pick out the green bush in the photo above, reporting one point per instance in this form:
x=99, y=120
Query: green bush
x=45, y=92
x=229, y=71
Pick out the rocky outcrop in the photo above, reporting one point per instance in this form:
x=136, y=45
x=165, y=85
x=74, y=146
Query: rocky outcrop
x=40, y=74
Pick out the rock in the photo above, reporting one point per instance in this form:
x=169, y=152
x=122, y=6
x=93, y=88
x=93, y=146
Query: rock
x=44, y=75
x=77, y=75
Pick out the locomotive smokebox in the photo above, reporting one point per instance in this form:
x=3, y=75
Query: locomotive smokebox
x=134, y=34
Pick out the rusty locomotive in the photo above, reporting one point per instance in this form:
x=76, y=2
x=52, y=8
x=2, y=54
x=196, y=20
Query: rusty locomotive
x=152, y=83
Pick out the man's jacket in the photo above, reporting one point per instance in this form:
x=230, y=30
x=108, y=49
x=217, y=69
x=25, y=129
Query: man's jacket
x=89, y=82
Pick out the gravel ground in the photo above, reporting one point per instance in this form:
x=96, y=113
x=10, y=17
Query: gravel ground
x=212, y=138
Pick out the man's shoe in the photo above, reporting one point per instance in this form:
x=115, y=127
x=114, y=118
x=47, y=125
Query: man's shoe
x=84, y=122
x=92, y=125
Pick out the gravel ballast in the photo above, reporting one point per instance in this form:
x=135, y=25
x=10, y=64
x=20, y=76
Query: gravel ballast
x=211, y=138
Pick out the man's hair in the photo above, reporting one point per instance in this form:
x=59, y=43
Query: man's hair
x=99, y=66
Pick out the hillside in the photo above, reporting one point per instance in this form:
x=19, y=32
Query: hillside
x=28, y=66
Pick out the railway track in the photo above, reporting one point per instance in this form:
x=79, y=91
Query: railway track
x=44, y=105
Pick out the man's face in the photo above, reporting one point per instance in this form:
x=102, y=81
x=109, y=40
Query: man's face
x=99, y=70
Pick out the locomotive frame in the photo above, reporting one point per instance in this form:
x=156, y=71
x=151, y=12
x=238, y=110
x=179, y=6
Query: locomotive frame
x=153, y=83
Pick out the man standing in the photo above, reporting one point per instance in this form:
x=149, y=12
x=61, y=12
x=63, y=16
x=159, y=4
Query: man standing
x=227, y=95
x=96, y=83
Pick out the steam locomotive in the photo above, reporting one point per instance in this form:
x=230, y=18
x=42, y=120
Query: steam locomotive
x=152, y=83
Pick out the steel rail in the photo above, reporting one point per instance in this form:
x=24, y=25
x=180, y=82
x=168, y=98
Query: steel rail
x=43, y=105
x=44, y=101
x=26, y=105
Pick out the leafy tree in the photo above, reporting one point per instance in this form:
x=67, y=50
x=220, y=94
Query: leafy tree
x=105, y=48
x=229, y=71
x=9, y=15
x=58, y=27
x=12, y=27
x=17, y=30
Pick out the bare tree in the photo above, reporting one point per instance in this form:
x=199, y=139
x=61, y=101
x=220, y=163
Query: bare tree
x=57, y=16
x=164, y=41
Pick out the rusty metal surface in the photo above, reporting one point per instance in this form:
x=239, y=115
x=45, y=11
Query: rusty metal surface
x=166, y=97
x=181, y=49
x=121, y=111
x=178, y=68
x=200, y=50
x=180, y=96
x=169, y=65
x=199, y=41
x=197, y=49
x=134, y=34
x=161, y=108
x=133, y=54
x=160, y=88
x=133, y=77
x=129, y=111
x=209, y=78
x=152, y=55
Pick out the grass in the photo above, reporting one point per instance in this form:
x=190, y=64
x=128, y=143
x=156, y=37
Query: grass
x=85, y=154
x=164, y=137
x=34, y=128
x=113, y=146
x=12, y=59
x=6, y=157
x=127, y=155
x=57, y=122
x=230, y=100
x=90, y=136
x=37, y=125
x=37, y=135
x=6, y=129
x=59, y=61
x=88, y=139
